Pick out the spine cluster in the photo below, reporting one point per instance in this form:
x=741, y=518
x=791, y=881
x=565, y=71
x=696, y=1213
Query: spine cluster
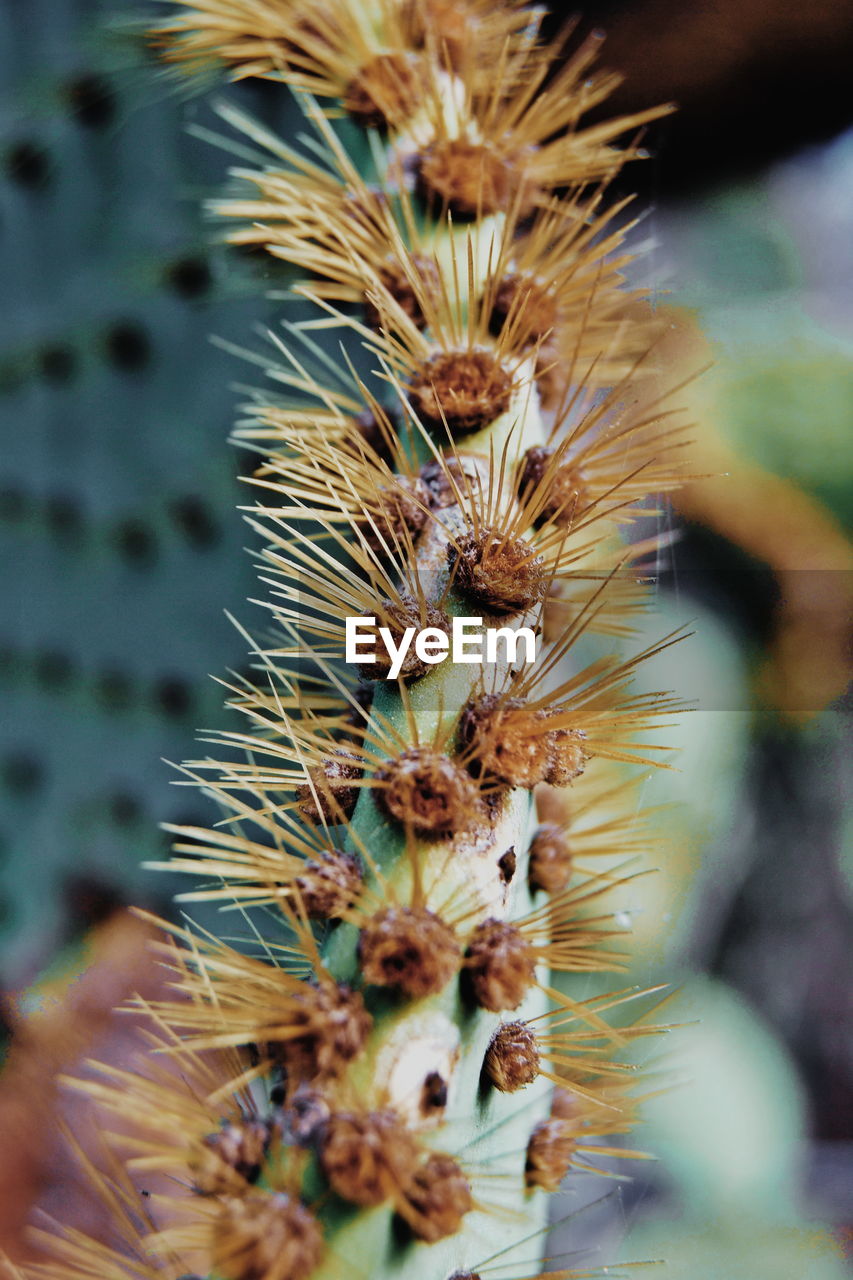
x=392, y=1079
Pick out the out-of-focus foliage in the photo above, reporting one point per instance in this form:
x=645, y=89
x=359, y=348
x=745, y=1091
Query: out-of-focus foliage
x=120, y=546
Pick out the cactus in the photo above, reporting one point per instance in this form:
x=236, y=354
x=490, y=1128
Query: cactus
x=390, y=1081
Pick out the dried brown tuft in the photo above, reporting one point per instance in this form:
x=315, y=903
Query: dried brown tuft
x=399, y=284
x=227, y=1160
x=502, y=574
x=500, y=967
x=510, y=747
x=410, y=949
x=386, y=90
x=512, y=744
x=569, y=758
x=336, y=1026
x=568, y=493
x=445, y=481
x=439, y=1197
x=532, y=468
x=512, y=1059
x=549, y=1154
x=531, y=307
x=306, y=1114
x=473, y=180
x=266, y=1237
x=467, y=389
x=429, y=792
x=397, y=617
x=343, y=1025
x=550, y=866
x=450, y=24
x=392, y=512
x=328, y=886
x=367, y=1158
x=330, y=797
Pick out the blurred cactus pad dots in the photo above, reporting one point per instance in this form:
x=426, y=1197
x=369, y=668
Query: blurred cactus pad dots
x=457, y=946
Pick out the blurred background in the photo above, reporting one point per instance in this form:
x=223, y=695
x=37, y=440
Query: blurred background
x=120, y=549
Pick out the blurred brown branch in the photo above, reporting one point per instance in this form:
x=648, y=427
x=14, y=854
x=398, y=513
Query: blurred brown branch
x=74, y=1019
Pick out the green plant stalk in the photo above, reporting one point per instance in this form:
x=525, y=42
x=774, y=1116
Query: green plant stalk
x=497, y=1127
